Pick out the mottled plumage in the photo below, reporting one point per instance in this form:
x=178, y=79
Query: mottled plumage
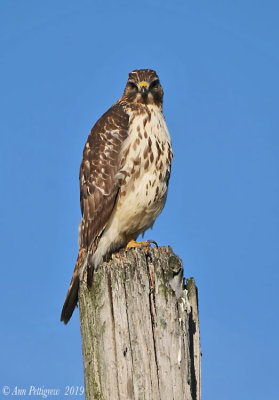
x=124, y=175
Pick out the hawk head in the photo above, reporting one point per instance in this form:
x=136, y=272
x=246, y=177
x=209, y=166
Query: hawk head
x=143, y=87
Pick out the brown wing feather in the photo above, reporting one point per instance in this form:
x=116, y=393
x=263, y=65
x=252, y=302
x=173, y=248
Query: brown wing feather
x=100, y=163
x=98, y=189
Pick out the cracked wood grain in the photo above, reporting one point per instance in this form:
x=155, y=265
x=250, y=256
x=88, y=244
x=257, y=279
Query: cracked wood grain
x=140, y=329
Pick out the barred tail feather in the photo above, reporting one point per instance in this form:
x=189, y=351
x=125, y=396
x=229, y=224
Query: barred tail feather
x=70, y=301
x=72, y=295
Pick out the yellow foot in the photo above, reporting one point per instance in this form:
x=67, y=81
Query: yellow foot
x=145, y=244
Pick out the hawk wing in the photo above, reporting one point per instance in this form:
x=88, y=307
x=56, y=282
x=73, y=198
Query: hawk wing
x=100, y=164
x=98, y=190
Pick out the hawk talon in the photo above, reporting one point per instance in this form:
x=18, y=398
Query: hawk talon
x=145, y=244
x=153, y=242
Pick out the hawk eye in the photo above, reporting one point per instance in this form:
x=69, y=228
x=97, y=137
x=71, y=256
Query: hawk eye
x=132, y=85
x=154, y=84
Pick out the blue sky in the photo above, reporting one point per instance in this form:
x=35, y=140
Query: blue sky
x=62, y=65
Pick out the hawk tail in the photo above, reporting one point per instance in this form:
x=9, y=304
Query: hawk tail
x=72, y=296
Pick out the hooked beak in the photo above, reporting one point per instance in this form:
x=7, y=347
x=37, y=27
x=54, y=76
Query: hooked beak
x=144, y=91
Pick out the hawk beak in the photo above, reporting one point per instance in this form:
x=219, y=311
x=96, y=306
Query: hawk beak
x=144, y=91
x=143, y=88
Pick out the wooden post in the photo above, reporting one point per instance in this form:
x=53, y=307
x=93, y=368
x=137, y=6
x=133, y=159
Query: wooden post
x=140, y=329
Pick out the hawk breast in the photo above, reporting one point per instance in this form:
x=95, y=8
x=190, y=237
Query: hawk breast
x=145, y=162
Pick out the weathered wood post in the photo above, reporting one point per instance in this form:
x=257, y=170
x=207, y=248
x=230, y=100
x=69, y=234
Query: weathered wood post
x=140, y=329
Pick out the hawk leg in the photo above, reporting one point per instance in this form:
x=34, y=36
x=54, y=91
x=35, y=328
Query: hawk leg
x=132, y=244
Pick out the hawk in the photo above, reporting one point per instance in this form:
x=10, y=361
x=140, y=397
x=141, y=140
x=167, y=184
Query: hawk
x=124, y=176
